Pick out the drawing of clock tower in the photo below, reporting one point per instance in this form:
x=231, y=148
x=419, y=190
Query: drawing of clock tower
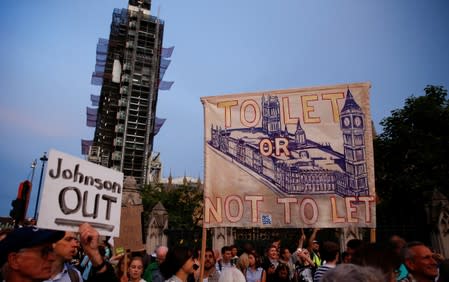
x=271, y=117
x=352, y=124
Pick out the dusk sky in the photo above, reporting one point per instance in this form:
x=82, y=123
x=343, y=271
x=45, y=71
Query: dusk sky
x=221, y=47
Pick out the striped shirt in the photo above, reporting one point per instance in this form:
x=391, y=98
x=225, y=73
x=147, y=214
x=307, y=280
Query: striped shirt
x=321, y=270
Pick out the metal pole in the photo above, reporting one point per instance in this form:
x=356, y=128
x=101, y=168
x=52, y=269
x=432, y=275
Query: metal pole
x=43, y=159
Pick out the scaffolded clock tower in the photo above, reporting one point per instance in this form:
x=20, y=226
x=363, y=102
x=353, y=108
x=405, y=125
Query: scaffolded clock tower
x=125, y=122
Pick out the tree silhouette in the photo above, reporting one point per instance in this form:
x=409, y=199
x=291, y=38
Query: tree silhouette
x=411, y=159
x=184, y=206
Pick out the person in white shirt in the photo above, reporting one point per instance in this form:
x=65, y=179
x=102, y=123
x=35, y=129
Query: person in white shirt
x=65, y=249
x=225, y=261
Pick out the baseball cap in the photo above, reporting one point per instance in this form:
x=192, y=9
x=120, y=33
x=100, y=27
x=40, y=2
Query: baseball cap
x=26, y=237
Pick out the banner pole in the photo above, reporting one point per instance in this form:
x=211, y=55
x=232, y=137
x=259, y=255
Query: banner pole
x=373, y=235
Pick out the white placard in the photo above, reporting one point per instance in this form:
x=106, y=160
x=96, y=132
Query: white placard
x=77, y=191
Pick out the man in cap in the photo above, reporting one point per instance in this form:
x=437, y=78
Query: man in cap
x=28, y=252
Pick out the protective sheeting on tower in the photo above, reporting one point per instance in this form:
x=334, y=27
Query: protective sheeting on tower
x=102, y=53
x=91, y=111
x=167, y=52
x=91, y=122
x=165, y=85
x=159, y=122
x=164, y=66
x=165, y=63
x=97, y=79
x=119, y=18
x=85, y=145
x=161, y=73
x=91, y=117
x=95, y=99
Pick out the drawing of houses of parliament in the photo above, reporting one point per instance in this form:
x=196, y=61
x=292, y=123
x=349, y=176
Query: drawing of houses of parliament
x=311, y=168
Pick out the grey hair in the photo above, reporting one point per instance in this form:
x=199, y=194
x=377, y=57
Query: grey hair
x=408, y=253
x=162, y=249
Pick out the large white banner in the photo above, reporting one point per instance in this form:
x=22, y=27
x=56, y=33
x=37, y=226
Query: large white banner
x=290, y=158
x=77, y=191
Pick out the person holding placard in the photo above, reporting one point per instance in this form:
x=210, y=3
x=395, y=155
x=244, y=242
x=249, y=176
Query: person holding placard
x=65, y=249
x=102, y=270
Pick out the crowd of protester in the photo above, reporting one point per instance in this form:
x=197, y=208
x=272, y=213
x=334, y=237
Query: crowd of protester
x=32, y=254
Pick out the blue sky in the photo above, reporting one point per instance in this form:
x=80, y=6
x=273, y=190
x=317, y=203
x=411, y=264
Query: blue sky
x=221, y=47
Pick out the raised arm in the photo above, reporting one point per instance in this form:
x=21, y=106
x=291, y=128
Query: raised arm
x=312, y=238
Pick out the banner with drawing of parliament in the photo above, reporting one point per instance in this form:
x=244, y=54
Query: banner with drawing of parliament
x=290, y=158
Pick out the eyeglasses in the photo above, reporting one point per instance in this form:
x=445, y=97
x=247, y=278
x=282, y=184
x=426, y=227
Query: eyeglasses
x=45, y=251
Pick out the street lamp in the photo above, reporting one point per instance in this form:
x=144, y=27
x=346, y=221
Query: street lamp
x=43, y=159
x=33, y=167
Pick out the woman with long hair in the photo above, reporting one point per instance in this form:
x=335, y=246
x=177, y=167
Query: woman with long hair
x=180, y=264
x=254, y=272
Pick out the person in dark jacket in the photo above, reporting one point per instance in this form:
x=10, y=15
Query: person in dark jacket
x=101, y=269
